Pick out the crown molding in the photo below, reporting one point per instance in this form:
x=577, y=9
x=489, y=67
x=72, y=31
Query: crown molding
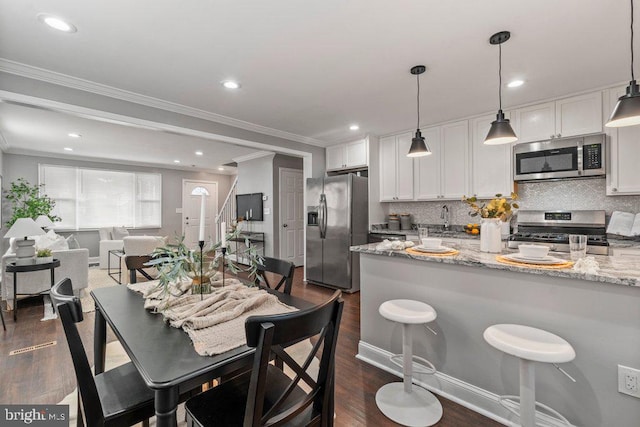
x=65, y=80
x=256, y=155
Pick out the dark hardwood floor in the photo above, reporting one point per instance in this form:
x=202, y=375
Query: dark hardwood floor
x=46, y=375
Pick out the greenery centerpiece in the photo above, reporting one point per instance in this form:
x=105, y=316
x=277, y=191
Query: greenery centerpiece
x=177, y=263
x=28, y=201
x=493, y=214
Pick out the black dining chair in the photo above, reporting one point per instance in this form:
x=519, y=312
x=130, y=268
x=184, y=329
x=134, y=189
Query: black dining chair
x=266, y=395
x=280, y=267
x=117, y=397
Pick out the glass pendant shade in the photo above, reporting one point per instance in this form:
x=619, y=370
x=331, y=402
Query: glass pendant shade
x=419, y=147
x=627, y=110
x=500, y=131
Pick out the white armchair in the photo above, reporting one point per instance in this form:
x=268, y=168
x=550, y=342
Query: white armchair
x=74, y=264
x=110, y=239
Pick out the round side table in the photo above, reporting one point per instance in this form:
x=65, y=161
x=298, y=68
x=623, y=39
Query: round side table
x=15, y=269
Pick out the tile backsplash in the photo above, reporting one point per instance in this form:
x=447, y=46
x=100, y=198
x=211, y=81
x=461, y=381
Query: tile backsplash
x=578, y=194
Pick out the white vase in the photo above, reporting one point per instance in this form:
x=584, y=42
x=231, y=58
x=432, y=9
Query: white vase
x=44, y=259
x=490, y=240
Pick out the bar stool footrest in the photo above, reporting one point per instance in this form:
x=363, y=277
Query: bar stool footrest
x=512, y=404
x=418, y=365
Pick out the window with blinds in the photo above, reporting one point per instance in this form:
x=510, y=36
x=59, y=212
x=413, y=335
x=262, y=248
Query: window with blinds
x=92, y=198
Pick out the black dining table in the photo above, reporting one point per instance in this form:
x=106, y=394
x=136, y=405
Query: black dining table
x=163, y=355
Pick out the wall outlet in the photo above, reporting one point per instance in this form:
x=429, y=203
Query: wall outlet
x=629, y=381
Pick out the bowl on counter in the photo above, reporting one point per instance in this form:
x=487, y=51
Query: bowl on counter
x=533, y=251
x=431, y=242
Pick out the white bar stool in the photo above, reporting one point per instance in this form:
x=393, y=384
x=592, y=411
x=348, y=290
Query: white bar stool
x=401, y=402
x=529, y=345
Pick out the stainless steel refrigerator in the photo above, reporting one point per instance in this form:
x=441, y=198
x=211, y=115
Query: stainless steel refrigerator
x=337, y=218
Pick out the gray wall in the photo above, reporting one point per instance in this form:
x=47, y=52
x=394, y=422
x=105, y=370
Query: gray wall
x=256, y=176
x=20, y=166
x=564, y=195
x=280, y=161
x=41, y=89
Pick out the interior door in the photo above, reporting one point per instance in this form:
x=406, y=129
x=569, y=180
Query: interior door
x=191, y=212
x=291, y=216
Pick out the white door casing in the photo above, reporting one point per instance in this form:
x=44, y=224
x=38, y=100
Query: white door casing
x=291, y=217
x=191, y=212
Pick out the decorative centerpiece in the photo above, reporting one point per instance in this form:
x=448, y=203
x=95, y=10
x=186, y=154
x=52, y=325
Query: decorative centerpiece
x=181, y=268
x=493, y=213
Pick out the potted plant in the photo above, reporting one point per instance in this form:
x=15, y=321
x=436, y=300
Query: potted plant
x=493, y=213
x=44, y=256
x=28, y=201
x=176, y=262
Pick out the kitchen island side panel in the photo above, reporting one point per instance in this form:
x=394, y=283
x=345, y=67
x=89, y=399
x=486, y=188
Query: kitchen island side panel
x=601, y=321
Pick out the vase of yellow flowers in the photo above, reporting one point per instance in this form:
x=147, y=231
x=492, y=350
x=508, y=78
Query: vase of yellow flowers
x=493, y=213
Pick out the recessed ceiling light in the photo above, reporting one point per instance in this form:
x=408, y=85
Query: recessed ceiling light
x=220, y=168
x=354, y=127
x=75, y=135
x=57, y=23
x=230, y=84
x=68, y=149
x=176, y=161
x=515, y=83
x=199, y=153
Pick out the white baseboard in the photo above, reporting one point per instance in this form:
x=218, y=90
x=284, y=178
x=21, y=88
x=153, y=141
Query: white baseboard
x=468, y=395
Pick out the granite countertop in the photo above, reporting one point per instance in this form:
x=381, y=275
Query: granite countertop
x=615, y=270
x=413, y=234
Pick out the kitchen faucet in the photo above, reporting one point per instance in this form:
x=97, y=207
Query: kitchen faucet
x=444, y=215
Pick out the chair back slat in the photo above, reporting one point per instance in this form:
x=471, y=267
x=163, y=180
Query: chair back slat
x=268, y=334
x=277, y=266
x=69, y=309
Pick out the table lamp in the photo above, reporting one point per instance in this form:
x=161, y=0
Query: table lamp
x=44, y=222
x=21, y=229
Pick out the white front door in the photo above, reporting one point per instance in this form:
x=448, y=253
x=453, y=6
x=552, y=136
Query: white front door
x=291, y=216
x=191, y=212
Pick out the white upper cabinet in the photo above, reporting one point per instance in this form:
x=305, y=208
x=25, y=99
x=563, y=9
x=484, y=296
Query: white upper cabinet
x=623, y=176
x=491, y=164
x=579, y=115
x=455, y=159
x=573, y=116
x=535, y=123
x=427, y=176
x=396, y=169
x=348, y=156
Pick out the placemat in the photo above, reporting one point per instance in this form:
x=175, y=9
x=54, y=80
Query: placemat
x=563, y=265
x=432, y=254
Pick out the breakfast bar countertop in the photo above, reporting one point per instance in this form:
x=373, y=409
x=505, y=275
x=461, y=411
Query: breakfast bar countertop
x=618, y=270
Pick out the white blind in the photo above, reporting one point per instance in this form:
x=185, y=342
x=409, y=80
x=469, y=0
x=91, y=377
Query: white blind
x=93, y=198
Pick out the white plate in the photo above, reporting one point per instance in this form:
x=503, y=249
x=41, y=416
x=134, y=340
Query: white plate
x=439, y=250
x=548, y=260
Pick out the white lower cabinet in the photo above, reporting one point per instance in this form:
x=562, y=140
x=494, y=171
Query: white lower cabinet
x=623, y=176
x=396, y=169
x=491, y=164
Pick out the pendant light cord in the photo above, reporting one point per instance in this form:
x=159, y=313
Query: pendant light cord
x=418, y=100
x=500, y=76
x=632, y=73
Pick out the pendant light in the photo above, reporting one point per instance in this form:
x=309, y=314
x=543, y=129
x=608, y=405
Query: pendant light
x=627, y=110
x=500, y=131
x=418, y=148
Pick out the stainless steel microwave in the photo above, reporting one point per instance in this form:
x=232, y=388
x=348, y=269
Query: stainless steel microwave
x=576, y=157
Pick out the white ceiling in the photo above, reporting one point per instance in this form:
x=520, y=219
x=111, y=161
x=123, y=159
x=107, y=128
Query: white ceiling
x=311, y=68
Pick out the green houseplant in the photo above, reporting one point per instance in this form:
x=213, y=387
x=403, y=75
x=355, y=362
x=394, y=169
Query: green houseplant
x=176, y=262
x=28, y=201
x=44, y=256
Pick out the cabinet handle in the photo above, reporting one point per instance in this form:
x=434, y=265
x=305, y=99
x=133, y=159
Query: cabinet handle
x=614, y=189
x=553, y=136
x=558, y=135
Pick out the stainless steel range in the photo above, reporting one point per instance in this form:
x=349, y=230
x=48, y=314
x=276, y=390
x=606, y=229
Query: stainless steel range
x=552, y=228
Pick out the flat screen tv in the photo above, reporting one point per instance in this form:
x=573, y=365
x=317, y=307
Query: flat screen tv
x=249, y=206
